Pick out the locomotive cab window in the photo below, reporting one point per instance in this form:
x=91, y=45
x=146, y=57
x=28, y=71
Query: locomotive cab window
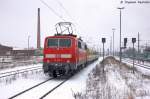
x=52, y=42
x=64, y=42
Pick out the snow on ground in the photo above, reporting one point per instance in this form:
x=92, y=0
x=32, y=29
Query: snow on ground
x=10, y=62
x=9, y=87
x=20, y=67
x=116, y=82
x=37, y=92
x=90, y=83
x=76, y=84
x=141, y=69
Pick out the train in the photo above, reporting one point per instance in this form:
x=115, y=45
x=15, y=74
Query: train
x=64, y=54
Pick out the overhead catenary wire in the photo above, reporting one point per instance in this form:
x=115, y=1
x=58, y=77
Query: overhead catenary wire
x=49, y=7
x=68, y=14
x=61, y=17
x=58, y=15
x=66, y=11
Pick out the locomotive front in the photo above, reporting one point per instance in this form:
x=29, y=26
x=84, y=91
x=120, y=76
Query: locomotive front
x=59, y=55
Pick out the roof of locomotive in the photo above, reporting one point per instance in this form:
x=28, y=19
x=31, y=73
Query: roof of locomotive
x=72, y=36
x=63, y=36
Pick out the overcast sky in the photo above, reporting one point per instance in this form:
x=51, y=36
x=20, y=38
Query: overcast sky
x=94, y=19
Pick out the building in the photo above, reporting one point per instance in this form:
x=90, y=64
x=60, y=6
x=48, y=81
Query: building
x=9, y=51
x=5, y=50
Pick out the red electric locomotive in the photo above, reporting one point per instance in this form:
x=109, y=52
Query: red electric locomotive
x=64, y=53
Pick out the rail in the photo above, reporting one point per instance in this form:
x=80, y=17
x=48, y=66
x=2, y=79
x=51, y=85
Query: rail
x=138, y=64
x=30, y=88
x=5, y=74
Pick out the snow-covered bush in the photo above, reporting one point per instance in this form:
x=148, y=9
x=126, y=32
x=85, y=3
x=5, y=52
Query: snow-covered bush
x=116, y=82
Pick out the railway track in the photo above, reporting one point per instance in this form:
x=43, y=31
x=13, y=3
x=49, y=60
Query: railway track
x=137, y=64
x=52, y=89
x=29, y=88
x=10, y=73
x=38, y=88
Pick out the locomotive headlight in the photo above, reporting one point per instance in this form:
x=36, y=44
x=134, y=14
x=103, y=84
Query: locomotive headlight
x=68, y=61
x=48, y=61
x=50, y=56
x=66, y=56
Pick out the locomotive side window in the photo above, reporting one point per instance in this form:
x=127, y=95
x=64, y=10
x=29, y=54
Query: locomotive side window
x=64, y=42
x=79, y=44
x=85, y=47
x=52, y=42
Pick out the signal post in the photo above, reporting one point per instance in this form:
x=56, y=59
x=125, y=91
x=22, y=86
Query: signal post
x=103, y=41
x=133, y=41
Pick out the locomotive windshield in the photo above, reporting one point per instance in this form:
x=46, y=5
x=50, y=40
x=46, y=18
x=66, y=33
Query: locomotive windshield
x=64, y=42
x=53, y=42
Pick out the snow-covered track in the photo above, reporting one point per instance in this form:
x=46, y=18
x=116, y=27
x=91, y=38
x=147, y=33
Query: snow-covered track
x=29, y=88
x=5, y=74
x=53, y=89
x=137, y=64
x=44, y=87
